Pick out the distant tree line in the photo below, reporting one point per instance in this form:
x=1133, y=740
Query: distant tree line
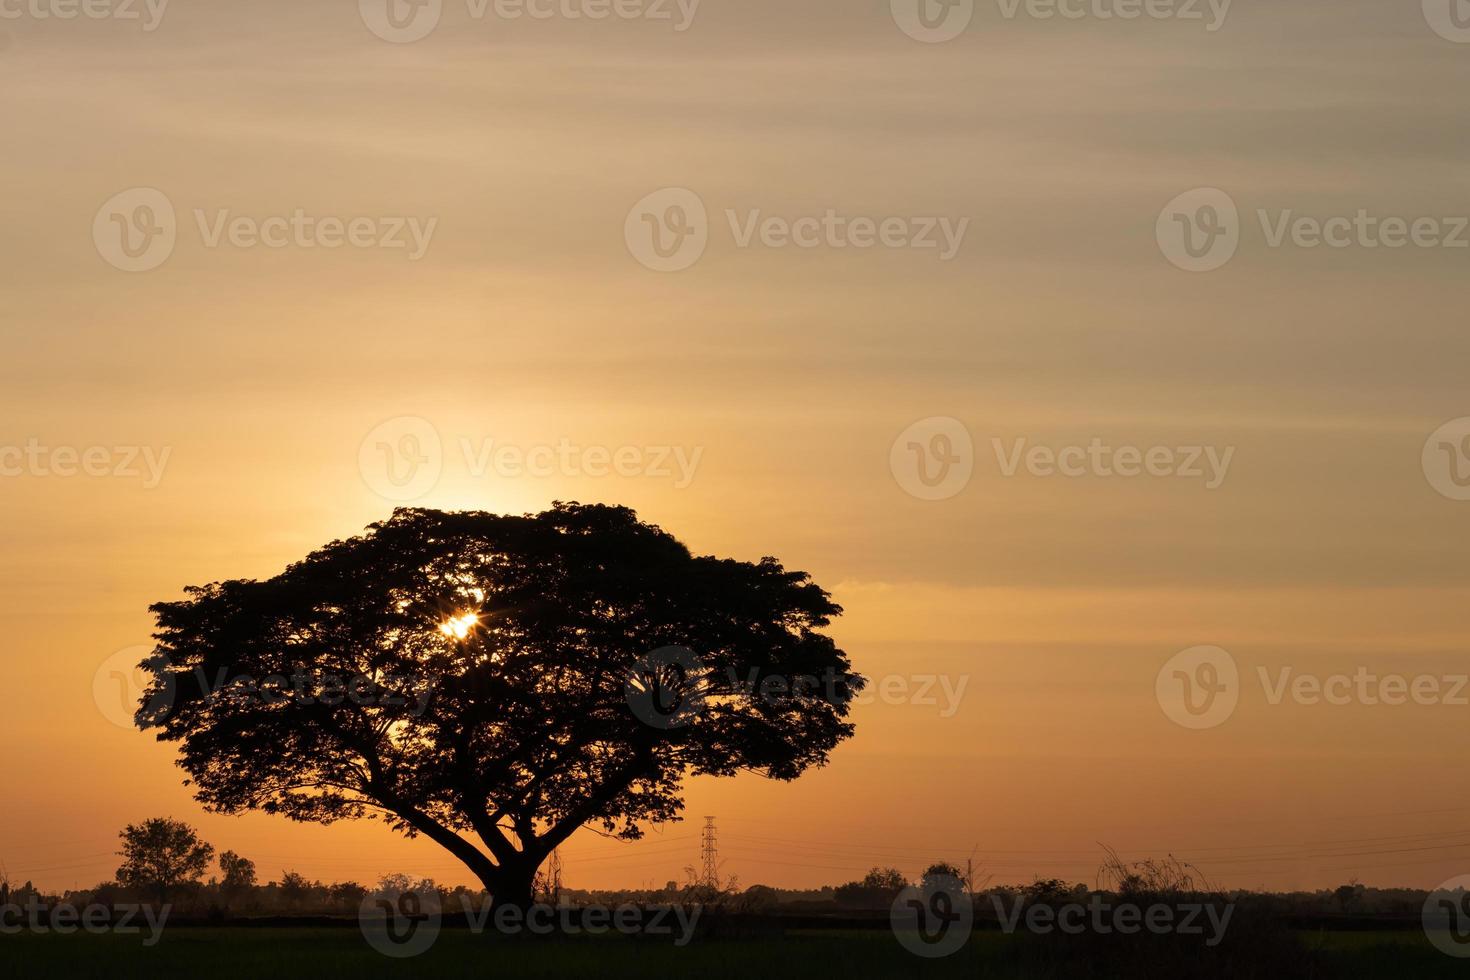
x=165, y=861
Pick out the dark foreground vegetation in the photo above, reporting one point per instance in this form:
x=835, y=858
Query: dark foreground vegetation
x=326, y=953
x=1148, y=919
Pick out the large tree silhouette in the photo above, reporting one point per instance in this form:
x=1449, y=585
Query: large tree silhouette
x=487, y=681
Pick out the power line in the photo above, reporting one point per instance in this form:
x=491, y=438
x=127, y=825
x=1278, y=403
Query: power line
x=1187, y=850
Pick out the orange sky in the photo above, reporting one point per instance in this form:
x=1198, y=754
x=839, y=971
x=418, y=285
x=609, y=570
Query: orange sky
x=1054, y=600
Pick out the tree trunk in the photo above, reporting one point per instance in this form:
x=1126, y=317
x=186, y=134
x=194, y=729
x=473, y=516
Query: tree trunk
x=512, y=884
x=517, y=890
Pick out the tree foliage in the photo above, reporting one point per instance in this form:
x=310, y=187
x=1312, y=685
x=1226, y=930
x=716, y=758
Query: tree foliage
x=236, y=873
x=877, y=889
x=941, y=874
x=486, y=660
x=161, y=855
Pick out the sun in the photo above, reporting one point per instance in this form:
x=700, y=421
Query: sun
x=459, y=626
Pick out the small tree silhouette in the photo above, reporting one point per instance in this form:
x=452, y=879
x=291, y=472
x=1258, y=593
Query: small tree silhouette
x=492, y=664
x=162, y=855
x=940, y=874
x=238, y=874
x=878, y=888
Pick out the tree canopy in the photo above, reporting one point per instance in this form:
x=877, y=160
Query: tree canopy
x=469, y=677
x=161, y=855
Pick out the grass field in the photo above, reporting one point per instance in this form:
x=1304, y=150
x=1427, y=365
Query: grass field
x=327, y=954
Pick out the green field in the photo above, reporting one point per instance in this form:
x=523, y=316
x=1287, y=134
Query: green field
x=329, y=953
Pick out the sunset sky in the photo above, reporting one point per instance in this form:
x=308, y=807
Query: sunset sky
x=788, y=373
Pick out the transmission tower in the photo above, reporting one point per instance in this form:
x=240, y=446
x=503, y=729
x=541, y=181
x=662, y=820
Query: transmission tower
x=710, y=855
